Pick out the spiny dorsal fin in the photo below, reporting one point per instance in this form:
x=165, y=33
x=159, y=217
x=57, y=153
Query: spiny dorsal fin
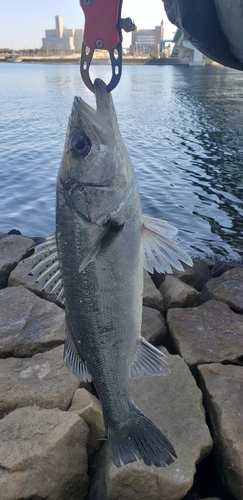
x=159, y=251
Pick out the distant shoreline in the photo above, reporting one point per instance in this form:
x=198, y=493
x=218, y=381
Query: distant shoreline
x=95, y=61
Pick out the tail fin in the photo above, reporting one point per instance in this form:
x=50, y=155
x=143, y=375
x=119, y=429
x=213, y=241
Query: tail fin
x=139, y=438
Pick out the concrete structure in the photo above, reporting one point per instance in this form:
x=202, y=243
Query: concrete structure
x=147, y=41
x=61, y=39
x=185, y=51
x=165, y=52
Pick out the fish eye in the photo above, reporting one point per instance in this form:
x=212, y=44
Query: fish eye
x=80, y=145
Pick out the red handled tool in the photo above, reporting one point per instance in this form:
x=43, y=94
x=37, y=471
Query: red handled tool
x=102, y=30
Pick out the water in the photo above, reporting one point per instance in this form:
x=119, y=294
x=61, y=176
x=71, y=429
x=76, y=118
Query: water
x=183, y=128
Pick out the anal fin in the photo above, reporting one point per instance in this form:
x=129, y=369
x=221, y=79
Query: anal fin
x=148, y=359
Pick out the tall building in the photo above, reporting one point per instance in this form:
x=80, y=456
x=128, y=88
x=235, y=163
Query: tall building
x=62, y=39
x=59, y=26
x=147, y=41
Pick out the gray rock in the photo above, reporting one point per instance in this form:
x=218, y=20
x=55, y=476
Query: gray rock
x=157, y=278
x=220, y=267
x=211, y=498
x=177, y=294
x=43, y=455
x=209, y=333
x=20, y=276
x=153, y=325
x=12, y=249
x=41, y=380
x=228, y=288
x=89, y=408
x=151, y=296
x=174, y=404
x=223, y=389
x=195, y=276
x=28, y=324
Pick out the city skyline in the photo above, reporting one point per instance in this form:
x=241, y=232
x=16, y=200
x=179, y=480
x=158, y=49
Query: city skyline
x=24, y=28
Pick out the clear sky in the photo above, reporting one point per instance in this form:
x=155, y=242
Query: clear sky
x=23, y=22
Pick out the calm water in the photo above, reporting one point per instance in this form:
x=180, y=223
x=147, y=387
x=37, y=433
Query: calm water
x=183, y=128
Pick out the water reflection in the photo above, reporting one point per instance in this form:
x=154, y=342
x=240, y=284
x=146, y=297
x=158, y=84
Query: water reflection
x=208, y=153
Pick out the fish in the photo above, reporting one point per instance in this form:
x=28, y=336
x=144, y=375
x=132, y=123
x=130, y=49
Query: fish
x=94, y=265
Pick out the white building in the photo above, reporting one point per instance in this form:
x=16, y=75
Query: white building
x=62, y=39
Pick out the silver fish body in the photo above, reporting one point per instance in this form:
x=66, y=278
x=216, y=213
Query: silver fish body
x=98, y=209
x=102, y=243
x=103, y=303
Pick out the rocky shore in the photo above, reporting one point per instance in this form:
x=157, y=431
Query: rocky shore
x=52, y=433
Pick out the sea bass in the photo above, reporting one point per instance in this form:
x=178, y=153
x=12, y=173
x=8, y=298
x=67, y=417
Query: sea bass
x=94, y=264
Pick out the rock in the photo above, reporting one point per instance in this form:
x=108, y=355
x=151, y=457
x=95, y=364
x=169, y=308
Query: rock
x=223, y=388
x=220, y=267
x=153, y=325
x=195, y=276
x=174, y=404
x=28, y=324
x=209, y=333
x=42, y=380
x=43, y=455
x=89, y=408
x=151, y=296
x=20, y=276
x=157, y=278
x=177, y=294
x=228, y=288
x=12, y=249
x=15, y=231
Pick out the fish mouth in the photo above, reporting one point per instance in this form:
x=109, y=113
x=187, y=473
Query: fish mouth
x=103, y=99
x=104, y=116
x=83, y=108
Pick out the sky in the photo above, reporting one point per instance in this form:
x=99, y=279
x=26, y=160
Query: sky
x=23, y=22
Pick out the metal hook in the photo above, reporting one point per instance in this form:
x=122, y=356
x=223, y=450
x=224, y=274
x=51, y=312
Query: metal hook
x=102, y=30
x=116, y=66
x=85, y=62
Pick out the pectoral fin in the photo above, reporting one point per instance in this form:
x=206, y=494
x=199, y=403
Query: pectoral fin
x=159, y=251
x=148, y=359
x=110, y=231
x=46, y=269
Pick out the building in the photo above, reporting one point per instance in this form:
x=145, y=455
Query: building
x=147, y=41
x=61, y=39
